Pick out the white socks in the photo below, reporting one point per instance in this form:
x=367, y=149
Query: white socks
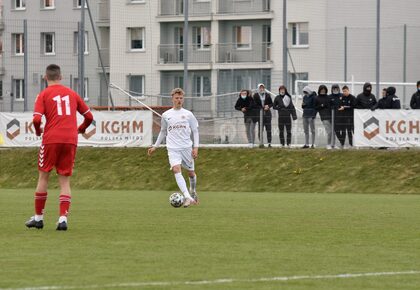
x=62, y=219
x=182, y=185
x=193, y=183
x=39, y=217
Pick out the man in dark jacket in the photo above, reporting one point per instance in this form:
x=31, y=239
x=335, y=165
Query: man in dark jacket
x=263, y=100
x=309, y=114
x=323, y=107
x=415, y=99
x=335, y=100
x=366, y=100
x=245, y=104
x=286, y=111
x=390, y=101
x=345, y=116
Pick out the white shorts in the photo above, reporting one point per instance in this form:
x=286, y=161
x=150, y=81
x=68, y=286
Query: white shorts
x=181, y=157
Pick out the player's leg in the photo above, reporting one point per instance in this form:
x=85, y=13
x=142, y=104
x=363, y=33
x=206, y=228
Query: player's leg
x=175, y=161
x=193, y=185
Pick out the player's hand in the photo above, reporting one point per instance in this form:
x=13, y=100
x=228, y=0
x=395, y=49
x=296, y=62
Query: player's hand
x=243, y=110
x=81, y=130
x=39, y=133
x=195, y=153
x=151, y=150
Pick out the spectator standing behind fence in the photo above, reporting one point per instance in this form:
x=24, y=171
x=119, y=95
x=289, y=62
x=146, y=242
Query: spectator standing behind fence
x=390, y=101
x=263, y=99
x=309, y=114
x=286, y=110
x=415, y=99
x=366, y=100
x=345, y=116
x=323, y=106
x=334, y=99
x=246, y=104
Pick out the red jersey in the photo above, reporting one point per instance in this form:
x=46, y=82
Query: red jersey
x=60, y=105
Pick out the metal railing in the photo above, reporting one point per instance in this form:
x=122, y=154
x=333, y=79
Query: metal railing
x=252, y=52
x=243, y=7
x=174, y=53
x=176, y=7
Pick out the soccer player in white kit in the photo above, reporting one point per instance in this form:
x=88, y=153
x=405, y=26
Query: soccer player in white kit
x=177, y=125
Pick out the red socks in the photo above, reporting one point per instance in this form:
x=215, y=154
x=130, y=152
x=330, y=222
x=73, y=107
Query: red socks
x=40, y=200
x=65, y=201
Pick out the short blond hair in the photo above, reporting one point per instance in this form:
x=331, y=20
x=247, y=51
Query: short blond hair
x=178, y=91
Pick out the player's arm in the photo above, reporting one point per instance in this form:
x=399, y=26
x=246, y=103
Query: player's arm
x=38, y=112
x=162, y=135
x=196, y=136
x=84, y=110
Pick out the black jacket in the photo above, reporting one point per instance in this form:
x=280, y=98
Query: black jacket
x=323, y=106
x=415, y=101
x=284, y=112
x=246, y=103
x=267, y=101
x=390, y=101
x=366, y=100
x=348, y=103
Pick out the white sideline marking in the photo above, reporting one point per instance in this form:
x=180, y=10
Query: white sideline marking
x=220, y=281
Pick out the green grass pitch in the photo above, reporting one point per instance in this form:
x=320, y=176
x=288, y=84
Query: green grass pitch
x=120, y=239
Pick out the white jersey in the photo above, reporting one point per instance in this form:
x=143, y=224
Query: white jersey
x=177, y=126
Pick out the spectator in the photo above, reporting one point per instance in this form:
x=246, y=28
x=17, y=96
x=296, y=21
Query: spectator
x=390, y=101
x=345, y=116
x=323, y=106
x=286, y=110
x=245, y=104
x=366, y=100
x=309, y=114
x=264, y=101
x=334, y=99
x=415, y=99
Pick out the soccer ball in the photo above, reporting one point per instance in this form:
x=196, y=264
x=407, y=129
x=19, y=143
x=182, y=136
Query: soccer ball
x=176, y=199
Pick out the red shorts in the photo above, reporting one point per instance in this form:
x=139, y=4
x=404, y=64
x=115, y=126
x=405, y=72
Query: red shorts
x=61, y=156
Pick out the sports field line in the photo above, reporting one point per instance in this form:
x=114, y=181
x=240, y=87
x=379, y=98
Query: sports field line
x=220, y=281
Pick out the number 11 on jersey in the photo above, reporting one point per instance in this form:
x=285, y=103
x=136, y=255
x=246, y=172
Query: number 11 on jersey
x=58, y=100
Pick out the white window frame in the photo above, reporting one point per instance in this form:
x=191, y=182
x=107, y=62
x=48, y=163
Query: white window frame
x=143, y=38
x=201, y=93
x=199, y=30
x=203, y=1
x=78, y=4
x=241, y=46
x=21, y=44
x=22, y=5
x=136, y=1
x=44, y=43
x=21, y=96
x=45, y=7
x=296, y=26
x=140, y=94
x=76, y=43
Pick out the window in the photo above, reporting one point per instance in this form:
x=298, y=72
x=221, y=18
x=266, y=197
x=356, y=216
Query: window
x=48, y=4
x=76, y=88
x=136, y=85
x=136, y=38
x=19, y=85
x=19, y=4
x=48, y=43
x=18, y=43
x=76, y=42
x=78, y=4
x=201, y=37
x=1, y=90
x=202, y=86
x=300, y=34
x=243, y=36
x=301, y=77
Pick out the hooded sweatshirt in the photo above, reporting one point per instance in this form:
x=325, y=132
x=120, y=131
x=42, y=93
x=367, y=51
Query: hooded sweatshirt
x=335, y=98
x=262, y=99
x=366, y=100
x=308, y=104
x=390, y=101
x=323, y=103
x=284, y=105
x=415, y=100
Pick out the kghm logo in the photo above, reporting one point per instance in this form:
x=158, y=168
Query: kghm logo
x=371, y=128
x=91, y=132
x=13, y=129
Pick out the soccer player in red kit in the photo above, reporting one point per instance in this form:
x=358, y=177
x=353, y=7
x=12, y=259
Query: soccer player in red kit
x=59, y=105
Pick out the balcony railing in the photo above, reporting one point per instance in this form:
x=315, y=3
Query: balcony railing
x=104, y=52
x=252, y=52
x=104, y=10
x=176, y=7
x=243, y=7
x=174, y=53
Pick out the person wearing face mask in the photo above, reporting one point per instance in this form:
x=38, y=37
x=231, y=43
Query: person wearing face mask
x=245, y=104
x=389, y=102
x=264, y=101
x=415, y=99
x=345, y=116
x=335, y=99
x=286, y=111
x=366, y=100
x=309, y=114
x=323, y=106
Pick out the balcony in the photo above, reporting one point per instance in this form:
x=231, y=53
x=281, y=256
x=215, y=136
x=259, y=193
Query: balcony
x=243, y=7
x=104, y=52
x=176, y=8
x=234, y=53
x=104, y=13
x=174, y=54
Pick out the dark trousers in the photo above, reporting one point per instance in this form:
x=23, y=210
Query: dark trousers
x=343, y=127
x=267, y=126
x=285, y=123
